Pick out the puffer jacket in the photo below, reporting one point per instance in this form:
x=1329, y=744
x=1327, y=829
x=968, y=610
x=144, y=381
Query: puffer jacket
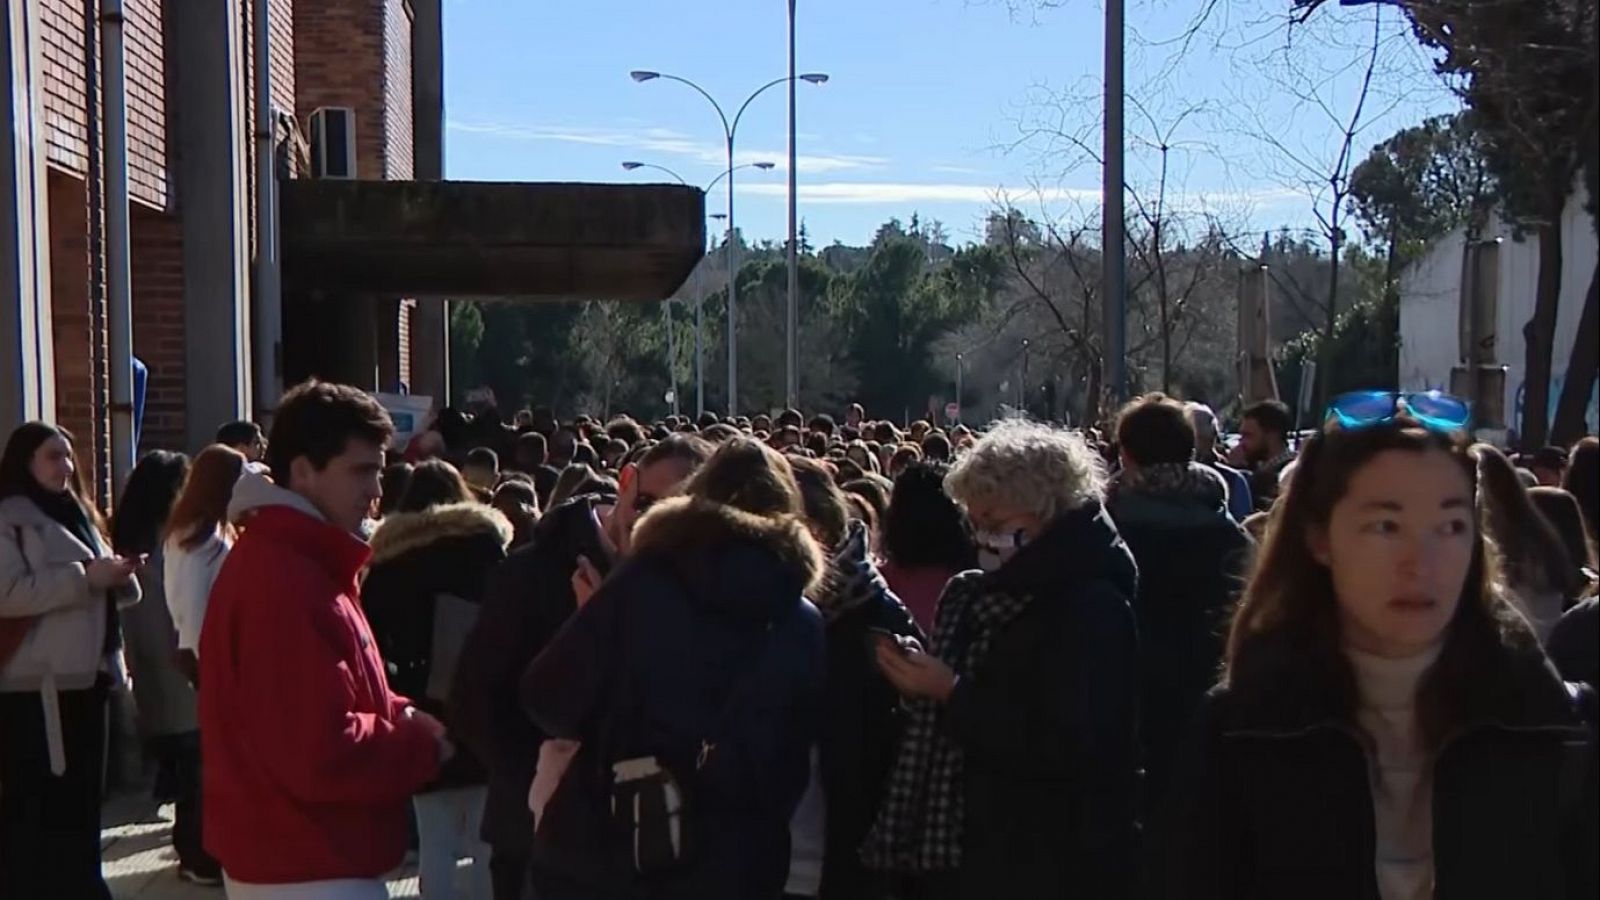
x=526, y=600
x=418, y=557
x=1272, y=797
x=43, y=577
x=711, y=603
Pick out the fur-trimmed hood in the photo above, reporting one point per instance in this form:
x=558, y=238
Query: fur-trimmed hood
x=401, y=533
x=693, y=532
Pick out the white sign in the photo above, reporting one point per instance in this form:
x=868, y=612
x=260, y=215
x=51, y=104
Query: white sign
x=410, y=414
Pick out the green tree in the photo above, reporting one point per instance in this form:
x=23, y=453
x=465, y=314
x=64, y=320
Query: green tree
x=1412, y=189
x=897, y=305
x=1527, y=70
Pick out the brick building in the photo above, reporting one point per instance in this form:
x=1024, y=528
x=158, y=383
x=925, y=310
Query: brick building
x=360, y=264
x=189, y=84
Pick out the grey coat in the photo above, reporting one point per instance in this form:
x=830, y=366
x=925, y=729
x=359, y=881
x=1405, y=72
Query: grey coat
x=165, y=699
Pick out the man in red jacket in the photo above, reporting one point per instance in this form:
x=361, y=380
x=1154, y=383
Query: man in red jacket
x=309, y=757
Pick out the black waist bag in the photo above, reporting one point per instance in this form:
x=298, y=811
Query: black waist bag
x=650, y=808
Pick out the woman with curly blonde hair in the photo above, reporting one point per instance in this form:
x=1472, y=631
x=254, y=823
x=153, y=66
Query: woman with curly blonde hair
x=1016, y=773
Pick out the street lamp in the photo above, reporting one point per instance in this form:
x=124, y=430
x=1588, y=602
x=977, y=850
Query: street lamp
x=632, y=166
x=699, y=376
x=730, y=129
x=699, y=351
x=792, y=313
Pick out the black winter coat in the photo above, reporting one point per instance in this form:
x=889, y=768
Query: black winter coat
x=1191, y=554
x=1574, y=644
x=1048, y=723
x=861, y=721
x=527, y=600
x=1271, y=798
x=709, y=607
x=416, y=557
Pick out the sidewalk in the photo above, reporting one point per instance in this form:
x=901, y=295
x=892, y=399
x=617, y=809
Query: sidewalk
x=136, y=852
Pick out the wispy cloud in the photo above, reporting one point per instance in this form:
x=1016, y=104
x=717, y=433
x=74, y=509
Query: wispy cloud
x=664, y=142
x=890, y=193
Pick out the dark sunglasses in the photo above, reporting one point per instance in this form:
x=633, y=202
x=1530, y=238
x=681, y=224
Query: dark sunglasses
x=1434, y=410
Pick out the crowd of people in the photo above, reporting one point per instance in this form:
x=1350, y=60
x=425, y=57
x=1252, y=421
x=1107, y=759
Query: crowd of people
x=731, y=658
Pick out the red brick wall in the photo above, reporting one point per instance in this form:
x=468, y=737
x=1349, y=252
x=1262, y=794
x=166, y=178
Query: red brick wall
x=69, y=93
x=357, y=53
x=397, y=137
x=66, y=97
x=79, y=336
x=158, y=329
x=144, y=69
x=338, y=61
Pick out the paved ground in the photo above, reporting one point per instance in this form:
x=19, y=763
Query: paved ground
x=136, y=851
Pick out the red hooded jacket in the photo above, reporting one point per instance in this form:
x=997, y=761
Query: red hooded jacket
x=309, y=761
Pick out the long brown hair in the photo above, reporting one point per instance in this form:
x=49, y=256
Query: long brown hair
x=748, y=475
x=1286, y=631
x=16, y=473
x=202, y=507
x=827, y=510
x=1531, y=551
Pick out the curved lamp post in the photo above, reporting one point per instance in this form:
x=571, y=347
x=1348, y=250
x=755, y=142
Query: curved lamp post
x=730, y=130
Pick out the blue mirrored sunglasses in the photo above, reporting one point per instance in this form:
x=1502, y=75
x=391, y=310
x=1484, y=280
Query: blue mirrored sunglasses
x=1434, y=410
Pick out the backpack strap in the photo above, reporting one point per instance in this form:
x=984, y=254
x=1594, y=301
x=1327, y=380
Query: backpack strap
x=740, y=685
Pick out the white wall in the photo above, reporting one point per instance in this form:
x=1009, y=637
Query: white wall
x=1430, y=308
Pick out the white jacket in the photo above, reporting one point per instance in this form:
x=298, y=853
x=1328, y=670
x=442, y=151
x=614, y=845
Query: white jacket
x=43, y=577
x=188, y=573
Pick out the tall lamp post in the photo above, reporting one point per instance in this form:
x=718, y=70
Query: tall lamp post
x=730, y=129
x=699, y=350
x=699, y=357
x=1113, y=287
x=791, y=357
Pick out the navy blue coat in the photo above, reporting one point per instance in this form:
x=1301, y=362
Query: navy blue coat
x=710, y=606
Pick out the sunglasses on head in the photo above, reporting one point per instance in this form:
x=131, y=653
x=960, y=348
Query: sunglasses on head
x=1434, y=410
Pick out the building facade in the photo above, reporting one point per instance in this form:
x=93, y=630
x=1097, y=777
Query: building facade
x=189, y=85
x=1433, y=338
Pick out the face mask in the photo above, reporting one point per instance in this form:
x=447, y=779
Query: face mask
x=995, y=549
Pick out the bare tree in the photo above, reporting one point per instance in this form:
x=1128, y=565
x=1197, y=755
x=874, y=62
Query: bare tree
x=1316, y=158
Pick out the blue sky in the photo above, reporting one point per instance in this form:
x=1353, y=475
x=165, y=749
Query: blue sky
x=926, y=98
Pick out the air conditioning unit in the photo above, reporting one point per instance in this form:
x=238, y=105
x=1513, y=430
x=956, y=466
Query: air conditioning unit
x=333, y=142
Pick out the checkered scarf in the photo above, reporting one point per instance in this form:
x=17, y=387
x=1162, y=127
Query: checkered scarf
x=919, y=827
x=851, y=579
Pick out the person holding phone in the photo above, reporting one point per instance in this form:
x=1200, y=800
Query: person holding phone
x=526, y=601
x=1016, y=775
x=60, y=655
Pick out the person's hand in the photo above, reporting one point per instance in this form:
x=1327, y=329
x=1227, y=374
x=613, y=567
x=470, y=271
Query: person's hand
x=915, y=673
x=1236, y=457
x=109, y=573
x=435, y=729
x=585, y=581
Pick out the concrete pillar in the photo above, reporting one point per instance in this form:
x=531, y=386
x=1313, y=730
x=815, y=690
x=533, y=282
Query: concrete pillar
x=214, y=206
x=430, y=350
x=27, y=376
x=427, y=90
x=430, y=327
x=349, y=352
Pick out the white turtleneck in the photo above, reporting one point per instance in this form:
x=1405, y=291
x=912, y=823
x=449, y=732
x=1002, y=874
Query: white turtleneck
x=1399, y=769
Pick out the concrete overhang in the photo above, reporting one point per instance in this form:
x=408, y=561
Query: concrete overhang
x=511, y=240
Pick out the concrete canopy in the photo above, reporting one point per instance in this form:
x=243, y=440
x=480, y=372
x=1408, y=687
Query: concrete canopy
x=510, y=240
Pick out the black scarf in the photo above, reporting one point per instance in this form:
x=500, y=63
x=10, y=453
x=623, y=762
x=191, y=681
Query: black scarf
x=66, y=510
